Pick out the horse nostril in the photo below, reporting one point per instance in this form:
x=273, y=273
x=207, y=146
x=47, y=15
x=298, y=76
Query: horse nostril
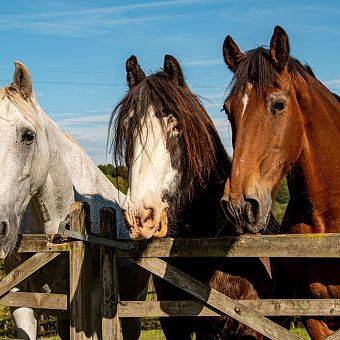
x=146, y=214
x=252, y=209
x=3, y=228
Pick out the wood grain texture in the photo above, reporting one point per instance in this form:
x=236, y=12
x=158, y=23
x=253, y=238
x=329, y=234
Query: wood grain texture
x=215, y=299
x=35, y=300
x=108, y=277
x=24, y=270
x=80, y=275
x=307, y=245
x=266, y=307
x=41, y=243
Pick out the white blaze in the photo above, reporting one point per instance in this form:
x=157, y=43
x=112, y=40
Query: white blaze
x=150, y=172
x=245, y=100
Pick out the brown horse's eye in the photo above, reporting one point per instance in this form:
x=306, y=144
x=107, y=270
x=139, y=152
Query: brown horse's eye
x=28, y=137
x=278, y=106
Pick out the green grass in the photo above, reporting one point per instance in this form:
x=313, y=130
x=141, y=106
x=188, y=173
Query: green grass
x=152, y=334
x=301, y=331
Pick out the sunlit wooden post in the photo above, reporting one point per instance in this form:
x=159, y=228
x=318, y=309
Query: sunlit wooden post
x=80, y=275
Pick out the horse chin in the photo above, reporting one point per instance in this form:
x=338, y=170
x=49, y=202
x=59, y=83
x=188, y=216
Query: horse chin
x=258, y=228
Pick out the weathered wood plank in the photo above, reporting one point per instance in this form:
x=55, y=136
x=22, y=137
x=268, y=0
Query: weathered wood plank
x=35, y=300
x=334, y=336
x=95, y=291
x=307, y=245
x=267, y=307
x=41, y=243
x=108, y=276
x=80, y=275
x=24, y=270
x=215, y=299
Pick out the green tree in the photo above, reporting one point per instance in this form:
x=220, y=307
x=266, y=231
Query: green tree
x=118, y=176
x=280, y=203
x=283, y=193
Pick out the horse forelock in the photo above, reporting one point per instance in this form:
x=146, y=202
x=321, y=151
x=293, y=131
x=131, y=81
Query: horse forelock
x=198, y=135
x=257, y=69
x=26, y=107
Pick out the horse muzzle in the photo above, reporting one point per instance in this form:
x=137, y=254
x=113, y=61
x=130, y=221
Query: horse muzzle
x=144, y=224
x=248, y=215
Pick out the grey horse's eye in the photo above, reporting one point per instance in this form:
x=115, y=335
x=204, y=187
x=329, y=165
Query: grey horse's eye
x=28, y=137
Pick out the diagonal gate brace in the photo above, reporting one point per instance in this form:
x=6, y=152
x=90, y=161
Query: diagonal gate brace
x=24, y=270
x=215, y=299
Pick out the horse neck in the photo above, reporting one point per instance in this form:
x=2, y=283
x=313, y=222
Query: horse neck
x=203, y=213
x=72, y=176
x=314, y=181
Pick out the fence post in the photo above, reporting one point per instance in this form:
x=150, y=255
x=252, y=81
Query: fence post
x=108, y=276
x=80, y=275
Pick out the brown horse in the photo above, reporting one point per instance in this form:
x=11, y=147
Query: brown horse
x=285, y=122
x=177, y=170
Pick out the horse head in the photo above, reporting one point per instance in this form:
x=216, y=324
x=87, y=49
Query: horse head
x=166, y=138
x=270, y=106
x=23, y=152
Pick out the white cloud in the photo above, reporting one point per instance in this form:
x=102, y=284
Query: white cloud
x=332, y=83
x=88, y=21
x=65, y=122
x=103, y=10
x=203, y=62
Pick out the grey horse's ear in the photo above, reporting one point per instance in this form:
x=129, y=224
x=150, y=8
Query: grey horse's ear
x=279, y=48
x=134, y=73
x=231, y=53
x=172, y=68
x=22, y=80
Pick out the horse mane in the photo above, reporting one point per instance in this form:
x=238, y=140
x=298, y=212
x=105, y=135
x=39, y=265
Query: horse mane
x=25, y=107
x=199, y=138
x=257, y=68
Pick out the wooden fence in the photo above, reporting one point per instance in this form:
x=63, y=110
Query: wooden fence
x=79, y=303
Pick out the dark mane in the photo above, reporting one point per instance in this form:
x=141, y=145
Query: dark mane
x=256, y=68
x=199, y=139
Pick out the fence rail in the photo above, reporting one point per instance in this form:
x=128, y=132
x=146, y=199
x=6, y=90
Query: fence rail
x=79, y=301
x=304, y=245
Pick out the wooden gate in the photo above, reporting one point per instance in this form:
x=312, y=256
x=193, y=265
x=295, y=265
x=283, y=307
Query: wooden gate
x=209, y=302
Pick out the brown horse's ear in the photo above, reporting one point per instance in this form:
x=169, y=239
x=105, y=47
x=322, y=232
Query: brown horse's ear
x=134, y=74
x=231, y=53
x=279, y=48
x=172, y=68
x=22, y=80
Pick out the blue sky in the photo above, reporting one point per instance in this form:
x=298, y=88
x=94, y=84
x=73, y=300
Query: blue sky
x=76, y=50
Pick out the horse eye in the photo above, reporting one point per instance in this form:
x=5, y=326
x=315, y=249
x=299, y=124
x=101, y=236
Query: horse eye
x=28, y=137
x=162, y=113
x=278, y=106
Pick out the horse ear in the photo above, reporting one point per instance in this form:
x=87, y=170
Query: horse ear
x=279, y=47
x=231, y=53
x=172, y=68
x=22, y=80
x=134, y=74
